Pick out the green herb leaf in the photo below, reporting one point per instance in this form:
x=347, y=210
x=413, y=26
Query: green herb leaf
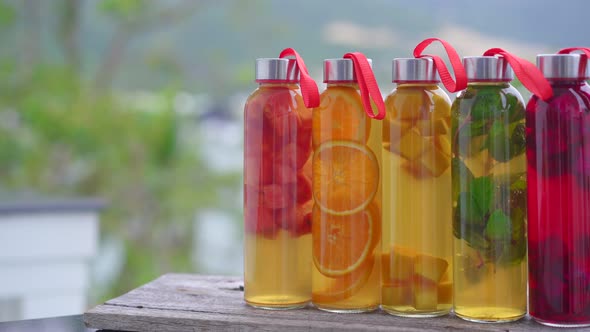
x=498, y=226
x=517, y=139
x=486, y=104
x=519, y=184
x=468, y=211
x=498, y=143
x=482, y=190
x=514, y=107
x=462, y=176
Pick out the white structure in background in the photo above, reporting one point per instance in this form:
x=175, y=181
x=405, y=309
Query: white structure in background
x=45, y=252
x=217, y=243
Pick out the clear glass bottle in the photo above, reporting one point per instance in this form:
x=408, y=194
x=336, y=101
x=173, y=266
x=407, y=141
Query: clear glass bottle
x=417, y=228
x=489, y=194
x=346, y=227
x=558, y=151
x=277, y=189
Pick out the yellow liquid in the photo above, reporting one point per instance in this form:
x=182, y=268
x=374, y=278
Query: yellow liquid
x=487, y=291
x=277, y=271
x=358, y=289
x=417, y=226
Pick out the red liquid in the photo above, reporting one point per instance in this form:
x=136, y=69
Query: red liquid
x=558, y=153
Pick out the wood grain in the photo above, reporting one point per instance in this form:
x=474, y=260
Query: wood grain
x=183, y=302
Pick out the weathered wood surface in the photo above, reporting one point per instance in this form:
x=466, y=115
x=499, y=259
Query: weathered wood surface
x=183, y=302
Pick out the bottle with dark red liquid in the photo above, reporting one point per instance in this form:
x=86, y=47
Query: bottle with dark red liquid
x=558, y=154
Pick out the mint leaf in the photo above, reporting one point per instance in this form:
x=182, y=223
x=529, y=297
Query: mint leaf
x=467, y=210
x=519, y=184
x=514, y=107
x=488, y=101
x=498, y=226
x=517, y=139
x=462, y=176
x=498, y=143
x=482, y=191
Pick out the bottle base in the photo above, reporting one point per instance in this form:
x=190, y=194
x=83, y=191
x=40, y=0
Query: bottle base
x=347, y=310
x=414, y=313
x=277, y=306
x=277, y=302
x=504, y=318
x=556, y=324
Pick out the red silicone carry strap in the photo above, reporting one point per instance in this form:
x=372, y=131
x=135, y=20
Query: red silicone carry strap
x=367, y=85
x=584, y=50
x=309, y=89
x=529, y=75
x=460, y=81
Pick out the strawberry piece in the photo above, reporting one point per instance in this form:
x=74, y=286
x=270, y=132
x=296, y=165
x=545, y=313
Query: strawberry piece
x=304, y=193
x=257, y=219
x=283, y=171
x=285, y=218
x=281, y=116
x=302, y=219
x=276, y=196
x=304, y=131
x=258, y=171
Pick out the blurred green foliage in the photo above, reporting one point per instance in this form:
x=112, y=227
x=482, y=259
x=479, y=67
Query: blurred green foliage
x=63, y=134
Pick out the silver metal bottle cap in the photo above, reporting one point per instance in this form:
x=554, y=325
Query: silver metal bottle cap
x=340, y=70
x=487, y=68
x=277, y=69
x=563, y=66
x=414, y=70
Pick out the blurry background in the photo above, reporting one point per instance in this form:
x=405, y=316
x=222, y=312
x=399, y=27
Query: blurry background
x=138, y=102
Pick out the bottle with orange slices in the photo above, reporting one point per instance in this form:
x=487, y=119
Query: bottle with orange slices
x=346, y=217
x=277, y=188
x=417, y=228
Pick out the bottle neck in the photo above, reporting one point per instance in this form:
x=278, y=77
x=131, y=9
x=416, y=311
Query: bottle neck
x=422, y=85
x=567, y=82
x=278, y=84
x=489, y=83
x=346, y=84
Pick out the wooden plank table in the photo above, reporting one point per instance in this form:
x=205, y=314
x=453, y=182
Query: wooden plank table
x=184, y=302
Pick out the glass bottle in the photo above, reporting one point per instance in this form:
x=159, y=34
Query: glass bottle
x=277, y=189
x=417, y=242
x=558, y=151
x=346, y=227
x=489, y=198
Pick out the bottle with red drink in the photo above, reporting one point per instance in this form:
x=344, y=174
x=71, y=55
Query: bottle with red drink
x=277, y=186
x=558, y=153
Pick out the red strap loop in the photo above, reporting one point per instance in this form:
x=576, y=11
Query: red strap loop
x=367, y=85
x=529, y=75
x=309, y=89
x=584, y=63
x=460, y=82
x=585, y=50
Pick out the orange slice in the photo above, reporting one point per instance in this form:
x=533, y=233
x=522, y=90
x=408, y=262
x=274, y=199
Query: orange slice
x=341, y=116
x=341, y=288
x=345, y=177
x=341, y=244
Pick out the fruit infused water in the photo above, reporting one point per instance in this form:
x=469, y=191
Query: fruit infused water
x=417, y=238
x=346, y=215
x=489, y=194
x=277, y=189
x=558, y=151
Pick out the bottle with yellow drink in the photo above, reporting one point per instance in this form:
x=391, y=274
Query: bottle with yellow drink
x=346, y=218
x=417, y=248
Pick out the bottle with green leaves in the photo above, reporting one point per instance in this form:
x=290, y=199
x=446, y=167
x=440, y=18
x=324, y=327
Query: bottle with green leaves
x=489, y=194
